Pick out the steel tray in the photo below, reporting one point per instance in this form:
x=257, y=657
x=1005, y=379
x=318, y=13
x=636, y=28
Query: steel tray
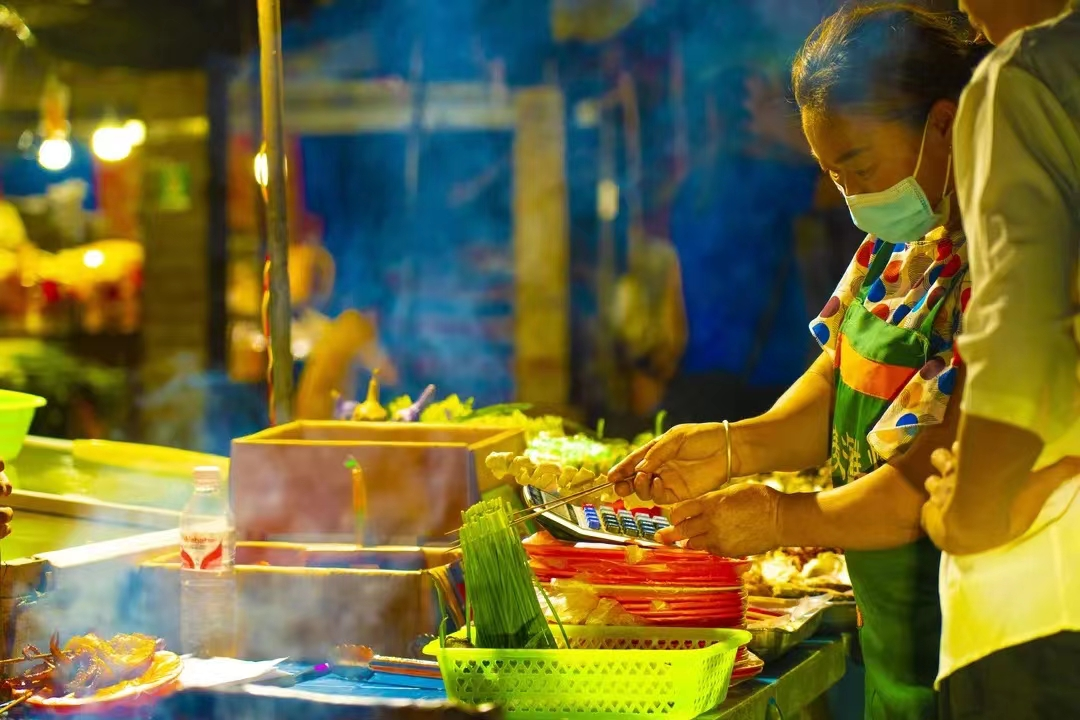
x=772, y=643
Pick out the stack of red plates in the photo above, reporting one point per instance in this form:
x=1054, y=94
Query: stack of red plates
x=670, y=587
x=659, y=586
x=747, y=665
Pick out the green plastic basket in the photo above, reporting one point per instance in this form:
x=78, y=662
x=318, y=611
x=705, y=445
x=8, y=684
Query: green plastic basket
x=608, y=672
x=16, y=413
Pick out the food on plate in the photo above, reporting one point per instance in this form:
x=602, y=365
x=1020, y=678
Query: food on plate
x=794, y=573
x=86, y=665
x=772, y=613
x=581, y=604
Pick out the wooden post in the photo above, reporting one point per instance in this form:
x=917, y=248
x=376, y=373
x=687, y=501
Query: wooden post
x=541, y=250
x=280, y=316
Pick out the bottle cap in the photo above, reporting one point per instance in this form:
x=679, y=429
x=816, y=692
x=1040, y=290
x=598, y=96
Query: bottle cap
x=207, y=475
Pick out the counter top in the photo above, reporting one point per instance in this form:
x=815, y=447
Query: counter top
x=791, y=683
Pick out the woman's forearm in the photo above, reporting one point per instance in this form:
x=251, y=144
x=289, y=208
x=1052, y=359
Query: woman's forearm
x=993, y=468
x=878, y=511
x=794, y=434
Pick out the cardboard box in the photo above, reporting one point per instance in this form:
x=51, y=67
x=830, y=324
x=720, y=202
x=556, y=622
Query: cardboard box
x=290, y=483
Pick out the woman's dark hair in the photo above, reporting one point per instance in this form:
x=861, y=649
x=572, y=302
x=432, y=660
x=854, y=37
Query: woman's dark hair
x=891, y=61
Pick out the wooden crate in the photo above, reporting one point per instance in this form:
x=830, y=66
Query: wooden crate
x=291, y=483
x=301, y=600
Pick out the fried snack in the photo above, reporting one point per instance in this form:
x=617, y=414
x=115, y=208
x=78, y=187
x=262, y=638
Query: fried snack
x=85, y=665
x=550, y=477
x=798, y=572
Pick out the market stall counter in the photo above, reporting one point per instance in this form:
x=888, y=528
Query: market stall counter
x=793, y=685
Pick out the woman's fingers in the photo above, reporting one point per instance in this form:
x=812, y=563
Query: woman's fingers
x=625, y=470
x=639, y=473
x=644, y=486
x=694, y=527
x=939, y=489
x=683, y=511
x=942, y=459
x=660, y=451
x=669, y=536
x=698, y=542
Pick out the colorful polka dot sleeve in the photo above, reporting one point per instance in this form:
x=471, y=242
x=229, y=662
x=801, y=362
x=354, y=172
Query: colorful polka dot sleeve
x=918, y=276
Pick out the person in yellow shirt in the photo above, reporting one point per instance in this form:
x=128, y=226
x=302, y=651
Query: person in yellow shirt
x=1010, y=576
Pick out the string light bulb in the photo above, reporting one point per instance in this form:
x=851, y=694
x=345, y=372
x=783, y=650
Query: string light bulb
x=261, y=166
x=262, y=169
x=111, y=143
x=136, y=131
x=93, y=259
x=54, y=154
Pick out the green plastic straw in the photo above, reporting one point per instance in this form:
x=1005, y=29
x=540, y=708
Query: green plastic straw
x=499, y=588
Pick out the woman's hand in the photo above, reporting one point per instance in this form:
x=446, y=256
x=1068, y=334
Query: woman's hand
x=5, y=512
x=684, y=463
x=940, y=521
x=734, y=522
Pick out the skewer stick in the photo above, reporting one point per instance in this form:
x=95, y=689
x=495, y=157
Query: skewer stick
x=531, y=512
x=16, y=702
x=565, y=500
x=30, y=658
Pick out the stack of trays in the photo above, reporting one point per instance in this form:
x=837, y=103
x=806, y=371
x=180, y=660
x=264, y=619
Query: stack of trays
x=747, y=665
x=668, y=587
x=659, y=587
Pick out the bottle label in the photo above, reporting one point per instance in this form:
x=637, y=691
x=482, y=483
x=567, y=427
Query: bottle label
x=202, y=551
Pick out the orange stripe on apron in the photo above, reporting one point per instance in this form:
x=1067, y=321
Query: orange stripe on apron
x=868, y=377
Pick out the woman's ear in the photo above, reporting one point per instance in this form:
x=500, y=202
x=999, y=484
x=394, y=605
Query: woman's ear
x=942, y=115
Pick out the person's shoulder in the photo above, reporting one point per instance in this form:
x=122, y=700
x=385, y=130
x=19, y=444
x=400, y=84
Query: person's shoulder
x=1052, y=39
x=1048, y=52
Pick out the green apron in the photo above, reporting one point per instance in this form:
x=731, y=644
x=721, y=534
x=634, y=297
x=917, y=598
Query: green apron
x=896, y=590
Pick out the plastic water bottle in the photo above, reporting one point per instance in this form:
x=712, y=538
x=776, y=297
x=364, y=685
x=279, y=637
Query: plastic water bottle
x=207, y=573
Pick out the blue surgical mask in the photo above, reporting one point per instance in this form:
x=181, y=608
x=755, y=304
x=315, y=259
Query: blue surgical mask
x=901, y=214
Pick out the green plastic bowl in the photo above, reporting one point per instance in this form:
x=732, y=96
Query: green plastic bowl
x=16, y=413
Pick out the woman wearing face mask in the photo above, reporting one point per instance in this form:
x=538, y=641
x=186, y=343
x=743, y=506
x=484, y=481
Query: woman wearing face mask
x=877, y=89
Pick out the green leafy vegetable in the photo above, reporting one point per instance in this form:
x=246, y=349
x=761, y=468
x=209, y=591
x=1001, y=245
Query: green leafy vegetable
x=580, y=451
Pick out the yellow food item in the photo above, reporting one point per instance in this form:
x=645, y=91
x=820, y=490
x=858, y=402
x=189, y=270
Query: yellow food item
x=370, y=410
